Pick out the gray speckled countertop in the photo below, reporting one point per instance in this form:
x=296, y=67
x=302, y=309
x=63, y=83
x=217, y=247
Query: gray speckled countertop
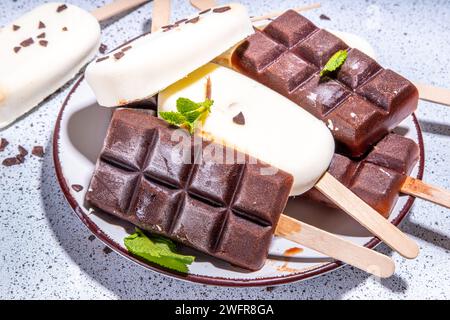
x=46, y=252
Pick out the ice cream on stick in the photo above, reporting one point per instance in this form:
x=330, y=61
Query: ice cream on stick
x=227, y=209
x=122, y=77
x=44, y=49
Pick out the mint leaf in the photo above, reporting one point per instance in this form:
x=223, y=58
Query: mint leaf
x=158, y=250
x=172, y=117
x=335, y=62
x=186, y=105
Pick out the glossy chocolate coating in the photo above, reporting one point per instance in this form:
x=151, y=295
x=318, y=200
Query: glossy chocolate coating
x=226, y=209
x=378, y=177
x=361, y=102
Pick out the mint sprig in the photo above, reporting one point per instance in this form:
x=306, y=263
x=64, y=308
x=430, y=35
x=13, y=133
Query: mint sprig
x=188, y=114
x=335, y=62
x=158, y=250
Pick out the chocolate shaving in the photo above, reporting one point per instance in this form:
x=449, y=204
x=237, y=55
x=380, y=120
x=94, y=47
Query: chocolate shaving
x=41, y=36
x=8, y=162
x=222, y=9
x=208, y=88
x=17, y=49
x=41, y=25
x=126, y=48
x=15, y=27
x=22, y=151
x=102, y=59
x=103, y=48
x=77, y=187
x=118, y=55
x=61, y=8
x=168, y=26
x=38, y=151
x=20, y=158
x=3, y=144
x=27, y=42
x=180, y=21
x=193, y=20
x=65, y=29
x=239, y=119
x=324, y=17
x=43, y=43
x=205, y=11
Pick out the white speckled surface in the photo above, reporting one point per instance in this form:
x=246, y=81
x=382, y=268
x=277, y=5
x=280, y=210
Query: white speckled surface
x=46, y=252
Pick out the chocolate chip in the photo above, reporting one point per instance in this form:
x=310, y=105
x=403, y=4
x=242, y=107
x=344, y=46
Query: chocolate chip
x=239, y=119
x=61, y=8
x=118, y=55
x=3, y=144
x=43, y=43
x=102, y=59
x=91, y=237
x=17, y=49
x=41, y=36
x=193, y=20
x=77, y=187
x=180, y=21
x=8, y=162
x=126, y=48
x=27, y=42
x=222, y=9
x=324, y=17
x=205, y=11
x=41, y=25
x=64, y=29
x=38, y=151
x=107, y=250
x=15, y=27
x=103, y=48
x=22, y=151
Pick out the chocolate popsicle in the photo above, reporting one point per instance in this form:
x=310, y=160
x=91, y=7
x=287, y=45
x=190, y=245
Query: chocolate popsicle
x=377, y=178
x=229, y=211
x=361, y=103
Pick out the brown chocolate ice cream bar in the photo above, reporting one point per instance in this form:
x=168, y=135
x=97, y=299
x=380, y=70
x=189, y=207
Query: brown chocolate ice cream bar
x=377, y=178
x=225, y=209
x=360, y=103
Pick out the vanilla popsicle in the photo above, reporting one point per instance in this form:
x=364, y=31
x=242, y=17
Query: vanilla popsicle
x=255, y=120
x=151, y=63
x=41, y=51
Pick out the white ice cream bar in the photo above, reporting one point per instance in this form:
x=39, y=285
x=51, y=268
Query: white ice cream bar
x=151, y=63
x=253, y=119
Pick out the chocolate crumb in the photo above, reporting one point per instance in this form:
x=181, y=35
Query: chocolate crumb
x=205, y=11
x=41, y=25
x=22, y=151
x=118, y=55
x=17, y=49
x=43, y=43
x=8, y=162
x=41, y=36
x=3, y=144
x=27, y=42
x=193, y=20
x=126, y=48
x=270, y=289
x=222, y=9
x=107, y=250
x=20, y=158
x=239, y=119
x=61, y=8
x=15, y=27
x=180, y=21
x=38, y=151
x=102, y=59
x=103, y=48
x=65, y=29
x=324, y=17
x=91, y=237
x=77, y=187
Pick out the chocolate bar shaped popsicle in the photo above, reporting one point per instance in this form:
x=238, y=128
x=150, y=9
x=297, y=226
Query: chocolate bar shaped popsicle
x=44, y=49
x=226, y=209
x=360, y=104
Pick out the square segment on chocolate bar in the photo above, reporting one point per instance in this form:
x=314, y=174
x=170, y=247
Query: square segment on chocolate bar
x=228, y=209
x=268, y=56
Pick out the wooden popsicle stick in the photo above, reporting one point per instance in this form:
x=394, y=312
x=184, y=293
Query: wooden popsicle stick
x=433, y=94
x=367, y=216
x=160, y=14
x=333, y=246
x=116, y=7
x=418, y=188
x=203, y=4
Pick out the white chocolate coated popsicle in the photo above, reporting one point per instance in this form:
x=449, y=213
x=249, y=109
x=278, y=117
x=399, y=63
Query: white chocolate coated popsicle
x=40, y=52
x=155, y=61
x=276, y=130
